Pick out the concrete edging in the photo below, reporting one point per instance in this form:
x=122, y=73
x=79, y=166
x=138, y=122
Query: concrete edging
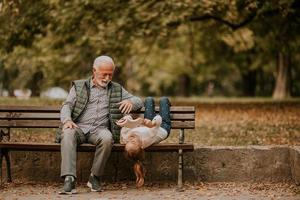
x=206, y=163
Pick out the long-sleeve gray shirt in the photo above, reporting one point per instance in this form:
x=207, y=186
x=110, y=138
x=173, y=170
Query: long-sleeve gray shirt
x=96, y=113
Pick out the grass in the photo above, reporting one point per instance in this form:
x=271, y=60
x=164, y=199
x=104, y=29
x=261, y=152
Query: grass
x=218, y=122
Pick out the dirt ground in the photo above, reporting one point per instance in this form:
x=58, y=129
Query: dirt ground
x=205, y=191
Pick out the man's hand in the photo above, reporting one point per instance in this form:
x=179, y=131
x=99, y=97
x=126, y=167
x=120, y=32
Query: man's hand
x=125, y=106
x=69, y=124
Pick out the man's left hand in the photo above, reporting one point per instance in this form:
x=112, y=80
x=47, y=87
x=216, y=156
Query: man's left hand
x=125, y=106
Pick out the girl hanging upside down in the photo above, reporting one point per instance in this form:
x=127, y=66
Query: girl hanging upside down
x=138, y=134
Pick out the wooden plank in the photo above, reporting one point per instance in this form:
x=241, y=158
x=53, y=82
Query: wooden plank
x=183, y=116
x=176, y=109
x=29, y=124
x=33, y=116
x=174, y=117
x=190, y=109
x=22, y=146
x=55, y=124
x=30, y=108
x=183, y=124
x=53, y=116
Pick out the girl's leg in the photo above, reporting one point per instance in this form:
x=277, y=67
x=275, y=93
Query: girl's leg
x=149, y=108
x=164, y=112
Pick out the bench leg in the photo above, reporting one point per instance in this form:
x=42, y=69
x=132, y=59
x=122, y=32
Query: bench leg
x=4, y=153
x=115, y=157
x=1, y=159
x=8, y=171
x=5, y=136
x=180, y=169
x=180, y=161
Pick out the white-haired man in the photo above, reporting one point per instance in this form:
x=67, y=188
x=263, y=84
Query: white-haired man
x=88, y=116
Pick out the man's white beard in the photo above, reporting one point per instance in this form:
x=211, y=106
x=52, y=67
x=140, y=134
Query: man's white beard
x=102, y=83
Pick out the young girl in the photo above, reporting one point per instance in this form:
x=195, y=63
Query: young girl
x=141, y=133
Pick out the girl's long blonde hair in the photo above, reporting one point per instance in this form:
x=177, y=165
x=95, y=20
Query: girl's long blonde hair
x=134, y=152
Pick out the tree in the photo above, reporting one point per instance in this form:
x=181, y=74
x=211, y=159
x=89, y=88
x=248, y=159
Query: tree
x=278, y=27
x=232, y=45
x=21, y=23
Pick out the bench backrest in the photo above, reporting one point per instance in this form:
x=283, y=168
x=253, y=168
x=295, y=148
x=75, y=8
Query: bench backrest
x=182, y=117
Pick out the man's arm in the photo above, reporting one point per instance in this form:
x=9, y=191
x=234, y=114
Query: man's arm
x=65, y=112
x=129, y=102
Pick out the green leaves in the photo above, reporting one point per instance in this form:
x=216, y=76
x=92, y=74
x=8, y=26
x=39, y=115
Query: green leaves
x=154, y=43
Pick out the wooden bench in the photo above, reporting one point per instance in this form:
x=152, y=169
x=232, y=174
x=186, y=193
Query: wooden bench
x=182, y=117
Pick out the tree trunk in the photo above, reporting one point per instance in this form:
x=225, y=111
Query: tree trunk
x=282, y=88
x=35, y=83
x=184, y=85
x=249, y=83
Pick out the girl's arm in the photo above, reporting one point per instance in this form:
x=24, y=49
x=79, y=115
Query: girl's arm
x=148, y=123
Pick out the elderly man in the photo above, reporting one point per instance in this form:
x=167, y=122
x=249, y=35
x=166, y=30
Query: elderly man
x=88, y=116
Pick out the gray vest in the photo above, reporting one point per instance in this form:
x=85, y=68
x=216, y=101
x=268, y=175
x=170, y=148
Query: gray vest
x=82, y=88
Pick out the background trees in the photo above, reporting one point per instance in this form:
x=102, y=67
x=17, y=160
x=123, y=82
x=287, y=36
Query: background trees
x=186, y=47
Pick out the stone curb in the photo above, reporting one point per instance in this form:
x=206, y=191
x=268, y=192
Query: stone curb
x=206, y=163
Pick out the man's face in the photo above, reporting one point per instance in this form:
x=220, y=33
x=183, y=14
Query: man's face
x=103, y=74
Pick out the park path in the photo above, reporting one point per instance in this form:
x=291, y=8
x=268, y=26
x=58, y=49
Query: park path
x=201, y=191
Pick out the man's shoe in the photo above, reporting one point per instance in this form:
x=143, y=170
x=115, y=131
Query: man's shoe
x=94, y=183
x=69, y=186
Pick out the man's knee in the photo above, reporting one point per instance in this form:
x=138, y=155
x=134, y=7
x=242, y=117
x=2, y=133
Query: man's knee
x=69, y=135
x=106, y=141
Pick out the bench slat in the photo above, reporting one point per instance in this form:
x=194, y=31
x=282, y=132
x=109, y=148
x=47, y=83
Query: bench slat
x=53, y=116
x=50, y=109
x=55, y=124
x=30, y=108
x=21, y=146
x=22, y=115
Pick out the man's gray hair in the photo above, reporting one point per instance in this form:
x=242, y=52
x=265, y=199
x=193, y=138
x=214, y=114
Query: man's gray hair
x=103, y=59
